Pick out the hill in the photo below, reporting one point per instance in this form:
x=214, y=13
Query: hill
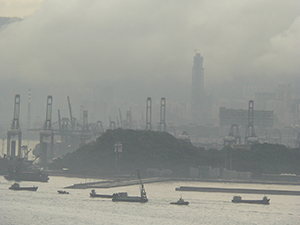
x=152, y=149
x=141, y=150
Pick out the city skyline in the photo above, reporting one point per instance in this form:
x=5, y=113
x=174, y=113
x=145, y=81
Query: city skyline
x=118, y=59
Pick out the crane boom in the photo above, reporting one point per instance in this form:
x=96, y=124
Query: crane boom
x=71, y=117
x=48, y=125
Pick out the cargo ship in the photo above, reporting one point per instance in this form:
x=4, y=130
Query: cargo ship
x=123, y=196
x=16, y=187
x=238, y=199
x=38, y=176
x=94, y=195
x=4, y=165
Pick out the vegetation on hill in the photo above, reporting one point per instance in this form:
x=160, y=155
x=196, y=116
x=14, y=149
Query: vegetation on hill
x=142, y=149
x=266, y=159
x=152, y=149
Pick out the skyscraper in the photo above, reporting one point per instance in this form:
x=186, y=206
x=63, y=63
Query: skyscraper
x=197, y=101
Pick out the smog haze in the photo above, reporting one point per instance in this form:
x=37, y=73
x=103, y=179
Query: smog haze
x=124, y=51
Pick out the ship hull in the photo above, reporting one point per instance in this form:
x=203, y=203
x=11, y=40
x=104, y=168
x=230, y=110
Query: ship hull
x=176, y=203
x=4, y=165
x=130, y=199
x=24, y=188
x=28, y=176
x=264, y=202
x=100, y=196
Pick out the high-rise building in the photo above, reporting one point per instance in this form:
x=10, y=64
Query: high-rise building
x=197, y=103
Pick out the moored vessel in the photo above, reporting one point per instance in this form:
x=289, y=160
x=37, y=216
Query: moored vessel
x=94, y=195
x=123, y=196
x=62, y=192
x=38, y=176
x=4, y=165
x=238, y=199
x=16, y=187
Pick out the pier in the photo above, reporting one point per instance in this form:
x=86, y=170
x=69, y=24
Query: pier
x=238, y=190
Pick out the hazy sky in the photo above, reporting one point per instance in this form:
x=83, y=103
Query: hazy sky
x=145, y=47
x=19, y=8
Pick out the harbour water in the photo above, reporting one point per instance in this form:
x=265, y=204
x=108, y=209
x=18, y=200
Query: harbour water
x=46, y=206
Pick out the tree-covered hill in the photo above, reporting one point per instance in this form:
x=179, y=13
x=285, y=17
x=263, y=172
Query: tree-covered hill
x=266, y=159
x=141, y=150
x=152, y=149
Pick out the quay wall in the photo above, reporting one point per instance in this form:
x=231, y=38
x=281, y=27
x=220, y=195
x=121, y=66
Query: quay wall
x=238, y=190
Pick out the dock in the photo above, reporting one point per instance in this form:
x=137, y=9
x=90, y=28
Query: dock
x=238, y=190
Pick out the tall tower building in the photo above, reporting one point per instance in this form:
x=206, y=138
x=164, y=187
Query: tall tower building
x=197, y=103
x=29, y=110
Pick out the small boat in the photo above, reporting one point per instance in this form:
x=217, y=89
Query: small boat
x=180, y=202
x=238, y=199
x=63, y=192
x=94, y=195
x=123, y=196
x=16, y=187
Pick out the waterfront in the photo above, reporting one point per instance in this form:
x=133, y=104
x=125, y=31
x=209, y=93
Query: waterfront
x=46, y=206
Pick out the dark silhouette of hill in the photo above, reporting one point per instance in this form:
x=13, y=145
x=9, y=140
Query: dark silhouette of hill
x=152, y=149
x=266, y=159
x=141, y=150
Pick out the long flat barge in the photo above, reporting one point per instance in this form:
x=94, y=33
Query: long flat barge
x=238, y=190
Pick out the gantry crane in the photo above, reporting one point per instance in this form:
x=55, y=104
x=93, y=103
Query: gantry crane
x=162, y=123
x=85, y=131
x=47, y=132
x=250, y=137
x=234, y=136
x=15, y=130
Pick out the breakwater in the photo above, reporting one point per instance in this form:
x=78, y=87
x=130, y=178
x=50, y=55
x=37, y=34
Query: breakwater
x=116, y=183
x=238, y=190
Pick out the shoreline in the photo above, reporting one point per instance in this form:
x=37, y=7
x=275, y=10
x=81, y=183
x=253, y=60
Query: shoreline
x=238, y=190
x=127, y=180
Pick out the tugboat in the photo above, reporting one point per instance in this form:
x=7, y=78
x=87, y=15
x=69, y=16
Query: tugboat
x=238, y=199
x=94, y=195
x=123, y=196
x=180, y=202
x=16, y=187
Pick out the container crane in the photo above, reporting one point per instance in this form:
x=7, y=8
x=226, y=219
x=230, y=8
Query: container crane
x=15, y=130
x=234, y=136
x=250, y=137
x=45, y=133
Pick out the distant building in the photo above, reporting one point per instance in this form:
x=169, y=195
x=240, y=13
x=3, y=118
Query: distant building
x=281, y=177
x=153, y=172
x=204, y=172
x=262, y=118
x=261, y=99
x=232, y=174
x=242, y=147
x=184, y=136
x=197, y=101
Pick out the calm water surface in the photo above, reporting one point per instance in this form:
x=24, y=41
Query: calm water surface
x=46, y=206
